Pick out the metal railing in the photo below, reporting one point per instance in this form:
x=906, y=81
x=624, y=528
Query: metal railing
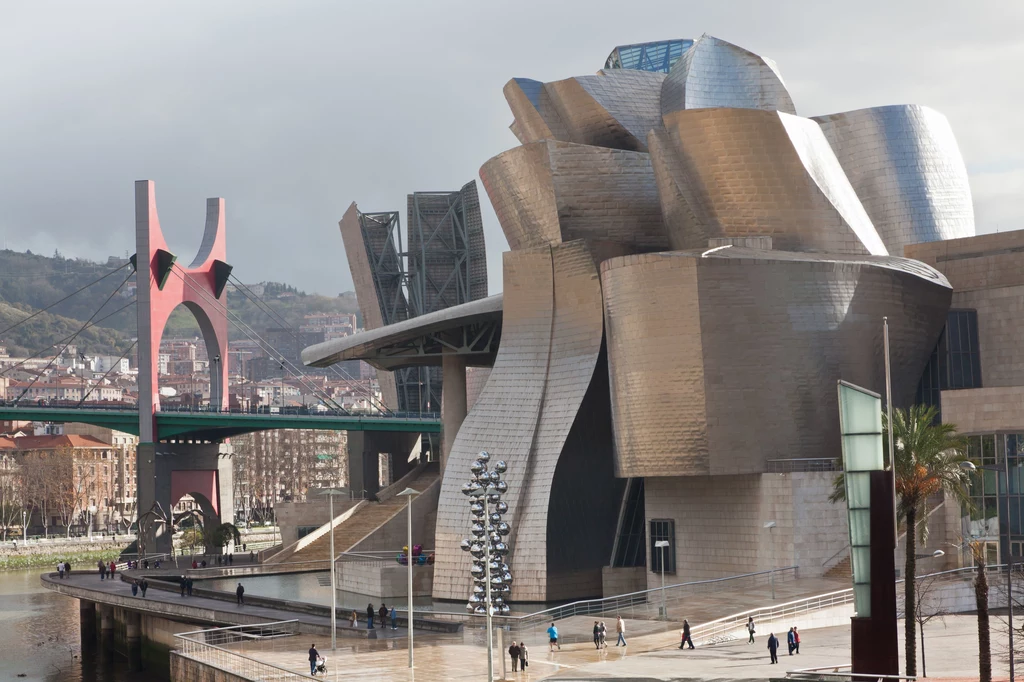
x=210, y=648
x=832, y=673
x=786, y=466
x=645, y=604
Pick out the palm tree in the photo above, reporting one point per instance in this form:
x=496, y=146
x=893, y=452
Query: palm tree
x=981, y=598
x=929, y=459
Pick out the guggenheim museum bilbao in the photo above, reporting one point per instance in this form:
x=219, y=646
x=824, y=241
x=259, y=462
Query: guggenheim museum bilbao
x=693, y=266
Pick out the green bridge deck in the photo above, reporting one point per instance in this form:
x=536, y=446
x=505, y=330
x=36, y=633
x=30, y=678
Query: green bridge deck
x=217, y=425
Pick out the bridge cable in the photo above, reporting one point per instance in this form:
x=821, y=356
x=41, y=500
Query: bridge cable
x=105, y=374
x=74, y=336
x=263, y=305
x=38, y=353
x=251, y=333
x=77, y=291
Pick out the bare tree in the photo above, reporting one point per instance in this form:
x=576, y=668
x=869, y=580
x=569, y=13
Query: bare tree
x=930, y=604
x=70, y=480
x=12, y=494
x=38, y=485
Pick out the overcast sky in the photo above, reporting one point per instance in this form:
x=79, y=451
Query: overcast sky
x=291, y=110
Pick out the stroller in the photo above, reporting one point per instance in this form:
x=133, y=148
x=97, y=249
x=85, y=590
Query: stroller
x=321, y=665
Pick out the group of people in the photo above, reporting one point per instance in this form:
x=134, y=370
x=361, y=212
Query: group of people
x=63, y=568
x=105, y=569
x=601, y=633
x=382, y=613
x=138, y=585
x=792, y=640
x=185, y=583
x=520, y=655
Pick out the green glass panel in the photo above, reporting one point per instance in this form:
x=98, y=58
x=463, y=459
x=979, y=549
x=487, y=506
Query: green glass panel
x=858, y=490
x=861, y=565
x=862, y=600
x=990, y=482
x=862, y=453
x=860, y=412
x=860, y=527
x=988, y=450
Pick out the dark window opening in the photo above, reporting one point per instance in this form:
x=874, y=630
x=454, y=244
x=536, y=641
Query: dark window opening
x=663, y=530
x=629, y=551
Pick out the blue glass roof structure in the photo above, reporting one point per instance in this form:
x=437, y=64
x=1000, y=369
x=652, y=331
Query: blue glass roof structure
x=657, y=56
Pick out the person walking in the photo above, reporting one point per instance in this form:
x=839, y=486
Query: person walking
x=60, y=570
x=597, y=635
x=182, y=583
x=750, y=629
x=313, y=656
x=790, y=641
x=524, y=656
x=620, y=628
x=113, y=569
x=394, y=618
x=103, y=569
x=796, y=640
x=188, y=586
x=369, y=616
x=135, y=589
x=355, y=619
x=143, y=586
x=603, y=636
x=773, y=647
x=513, y=652
x=553, y=638
x=685, y=635
x=383, y=613
x=240, y=594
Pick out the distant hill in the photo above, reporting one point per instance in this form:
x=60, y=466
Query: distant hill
x=30, y=282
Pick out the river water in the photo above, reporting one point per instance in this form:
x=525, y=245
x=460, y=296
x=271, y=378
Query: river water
x=39, y=637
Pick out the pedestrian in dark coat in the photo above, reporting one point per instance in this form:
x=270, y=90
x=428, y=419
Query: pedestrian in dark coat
x=135, y=589
x=773, y=647
x=144, y=585
x=239, y=594
x=686, y=635
x=369, y=616
x=182, y=583
x=188, y=586
x=383, y=613
x=513, y=651
x=796, y=640
x=790, y=641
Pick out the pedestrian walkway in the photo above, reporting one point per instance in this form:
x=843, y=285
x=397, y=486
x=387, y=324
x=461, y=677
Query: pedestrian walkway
x=952, y=652
x=197, y=608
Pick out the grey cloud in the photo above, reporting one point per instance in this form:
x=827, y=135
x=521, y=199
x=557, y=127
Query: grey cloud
x=292, y=110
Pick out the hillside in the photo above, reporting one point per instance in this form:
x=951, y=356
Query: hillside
x=30, y=282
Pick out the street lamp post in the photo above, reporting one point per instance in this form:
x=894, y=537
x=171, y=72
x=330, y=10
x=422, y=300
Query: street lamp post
x=216, y=373
x=24, y=526
x=331, y=492
x=662, y=545
x=410, y=494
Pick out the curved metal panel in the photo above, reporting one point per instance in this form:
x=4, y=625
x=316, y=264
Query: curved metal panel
x=576, y=335
x=905, y=165
x=549, y=192
x=714, y=73
x=505, y=415
x=697, y=342
x=745, y=172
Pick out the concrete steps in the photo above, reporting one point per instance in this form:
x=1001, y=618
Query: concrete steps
x=362, y=523
x=841, y=570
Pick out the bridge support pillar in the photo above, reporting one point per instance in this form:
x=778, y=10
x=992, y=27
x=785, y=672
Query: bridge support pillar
x=453, y=401
x=87, y=624
x=364, y=448
x=166, y=472
x=106, y=628
x=133, y=639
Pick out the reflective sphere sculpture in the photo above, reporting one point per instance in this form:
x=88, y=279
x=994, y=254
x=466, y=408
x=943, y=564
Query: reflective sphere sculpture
x=501, y=487
x=483, y=457
x=503, y=529
x=501, y=507
x=505, y=609
x=465, y=545
x=500, y=466
x=487, y=545
x=477, y=467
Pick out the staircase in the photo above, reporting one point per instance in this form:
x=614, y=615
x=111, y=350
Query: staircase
x=366, y=519
x=843, y=569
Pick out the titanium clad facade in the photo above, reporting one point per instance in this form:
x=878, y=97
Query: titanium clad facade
x=700, y=391
x=745, y=172
x=549, y=192
x=714, y=73
x=905, y=165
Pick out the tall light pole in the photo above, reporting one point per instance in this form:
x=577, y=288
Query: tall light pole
x=331, y=492
x=663, y=545
x=216, y=373
x=410, y=494
x=771, y=574
x=92, y=511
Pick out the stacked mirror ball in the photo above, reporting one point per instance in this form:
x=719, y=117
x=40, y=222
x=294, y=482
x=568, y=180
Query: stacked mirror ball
x=489, y=532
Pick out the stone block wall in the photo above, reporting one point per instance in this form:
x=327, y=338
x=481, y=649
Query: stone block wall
x=719, y=523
